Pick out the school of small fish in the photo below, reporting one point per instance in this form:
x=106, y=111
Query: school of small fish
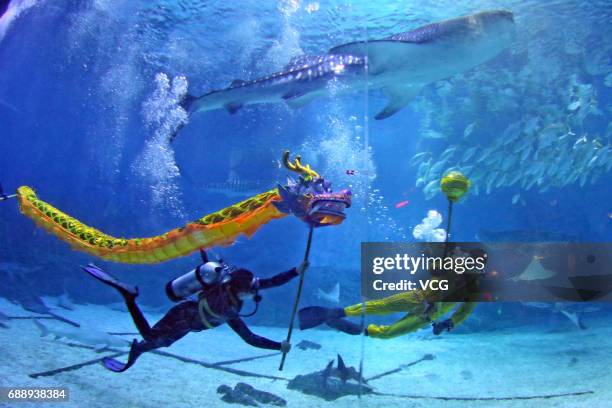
x=531, y=127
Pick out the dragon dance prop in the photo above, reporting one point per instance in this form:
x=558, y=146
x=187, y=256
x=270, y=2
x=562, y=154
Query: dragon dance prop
x=310, y=198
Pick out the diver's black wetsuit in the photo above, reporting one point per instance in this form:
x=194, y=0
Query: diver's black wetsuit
x=219, y=306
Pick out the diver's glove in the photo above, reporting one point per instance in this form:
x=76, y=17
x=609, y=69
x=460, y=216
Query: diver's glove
x=439, y=327
x=285, y=347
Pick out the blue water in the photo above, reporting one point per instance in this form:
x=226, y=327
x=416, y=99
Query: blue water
x=88, y=98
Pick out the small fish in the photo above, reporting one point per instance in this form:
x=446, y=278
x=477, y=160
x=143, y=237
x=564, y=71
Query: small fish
x=418, y=157
x=469, y=129
x=308, y=345
x=402, y=204
x=333, y=296
x=448, y=153
x=433, y=134
x=437, y=168
x=352, y=172
x=469, y=153
x=573, y=106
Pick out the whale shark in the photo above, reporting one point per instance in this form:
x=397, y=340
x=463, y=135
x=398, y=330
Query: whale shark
x=399, y=65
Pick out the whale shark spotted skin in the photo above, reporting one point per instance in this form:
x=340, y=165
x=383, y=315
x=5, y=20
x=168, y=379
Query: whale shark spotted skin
x=398, y=65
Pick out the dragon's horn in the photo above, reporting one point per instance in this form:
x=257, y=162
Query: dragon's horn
x=298, y=167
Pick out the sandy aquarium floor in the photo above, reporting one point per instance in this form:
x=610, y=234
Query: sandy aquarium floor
x=508, y=364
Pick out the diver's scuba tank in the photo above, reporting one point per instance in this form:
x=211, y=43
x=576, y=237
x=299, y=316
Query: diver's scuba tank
x=193, y=281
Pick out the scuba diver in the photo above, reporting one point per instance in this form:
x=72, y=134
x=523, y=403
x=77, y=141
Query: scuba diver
x=221, y=290
x=423, y=307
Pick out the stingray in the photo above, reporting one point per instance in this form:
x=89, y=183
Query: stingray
x=399, y=65
x=534, y=272
x=332, y=382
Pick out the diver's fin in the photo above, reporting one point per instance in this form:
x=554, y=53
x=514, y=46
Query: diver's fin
x=125, y=289
x=313, y=316
x=398, y=97
x=204, y=256
x=344, y=326
x=119, y=367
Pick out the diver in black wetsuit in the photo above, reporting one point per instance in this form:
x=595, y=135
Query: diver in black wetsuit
x=221, y=290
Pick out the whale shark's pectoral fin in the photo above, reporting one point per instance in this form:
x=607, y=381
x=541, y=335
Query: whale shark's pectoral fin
x=298, y=100
x=398, y=98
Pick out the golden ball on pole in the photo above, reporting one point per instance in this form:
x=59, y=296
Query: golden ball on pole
x=454, y=185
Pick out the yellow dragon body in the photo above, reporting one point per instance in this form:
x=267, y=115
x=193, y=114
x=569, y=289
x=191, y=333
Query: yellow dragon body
x=310, y=198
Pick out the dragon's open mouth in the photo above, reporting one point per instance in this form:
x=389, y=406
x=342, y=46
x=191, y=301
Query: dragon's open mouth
x=328, y=209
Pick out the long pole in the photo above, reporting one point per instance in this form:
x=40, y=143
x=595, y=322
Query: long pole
x=297, y=297
x=448, y=227
x=448, y=223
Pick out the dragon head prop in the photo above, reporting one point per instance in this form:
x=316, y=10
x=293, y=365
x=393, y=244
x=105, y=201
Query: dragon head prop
x=310, y=197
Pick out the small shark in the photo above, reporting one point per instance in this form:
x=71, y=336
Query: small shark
x=308, y=345
x=564, y=308
x=399, y=65
x=98, y=339
x=333, y=296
